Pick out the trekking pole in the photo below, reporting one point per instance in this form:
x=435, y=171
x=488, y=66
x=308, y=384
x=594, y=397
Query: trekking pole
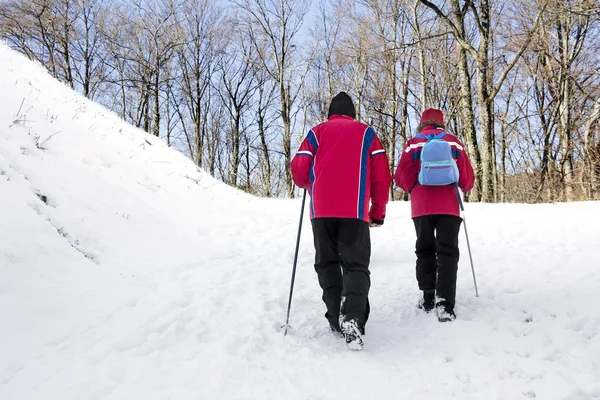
x=287, y=319
x=467, y=235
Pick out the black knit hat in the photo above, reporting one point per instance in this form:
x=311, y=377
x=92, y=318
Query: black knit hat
x=342, y=105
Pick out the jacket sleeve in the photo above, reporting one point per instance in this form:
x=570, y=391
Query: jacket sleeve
x=466, y=179
x=407, y=173
x=380, y=181
x=303, y=161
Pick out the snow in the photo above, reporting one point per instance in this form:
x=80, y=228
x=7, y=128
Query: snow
x=141, y=277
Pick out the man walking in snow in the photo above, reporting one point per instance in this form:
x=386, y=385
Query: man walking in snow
x=344, y=167
x=435, y=212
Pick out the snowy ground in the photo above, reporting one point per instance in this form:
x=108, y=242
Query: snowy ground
x=140, y=277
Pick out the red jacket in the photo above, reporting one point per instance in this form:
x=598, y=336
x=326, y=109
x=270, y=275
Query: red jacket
x=429, y=200
x=343, y=165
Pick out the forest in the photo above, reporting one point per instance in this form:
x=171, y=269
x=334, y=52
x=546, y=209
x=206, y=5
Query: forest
x=236, y=85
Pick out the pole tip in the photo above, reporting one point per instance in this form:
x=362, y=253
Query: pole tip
x=286, y=328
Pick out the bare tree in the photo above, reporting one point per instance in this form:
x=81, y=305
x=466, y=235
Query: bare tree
x=393, y=36
x=236, y=88
x=265, y=98
x=273, y=26
x=89, y=47
x=486, y=89
x=200, y=21
x=30, y=26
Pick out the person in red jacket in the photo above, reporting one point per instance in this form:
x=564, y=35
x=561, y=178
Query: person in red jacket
x=343, y=165
x=436, y=215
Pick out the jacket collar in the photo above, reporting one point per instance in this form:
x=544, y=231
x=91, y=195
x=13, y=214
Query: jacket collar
x=430, y=128
x=340, y=116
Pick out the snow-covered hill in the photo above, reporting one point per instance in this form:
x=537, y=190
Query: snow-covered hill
x=127, y=273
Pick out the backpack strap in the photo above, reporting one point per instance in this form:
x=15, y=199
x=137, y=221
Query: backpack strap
x=430, y=136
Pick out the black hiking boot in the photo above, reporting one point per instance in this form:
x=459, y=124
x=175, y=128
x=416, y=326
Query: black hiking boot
x=445, y=312
x=427, y=303
x=336, y=329
x=353, y=335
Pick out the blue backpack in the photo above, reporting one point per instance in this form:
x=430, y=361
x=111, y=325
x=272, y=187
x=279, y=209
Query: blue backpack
x=438, y=167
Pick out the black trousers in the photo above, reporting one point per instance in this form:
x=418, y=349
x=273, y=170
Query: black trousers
x=438, y=254
x=343, y=251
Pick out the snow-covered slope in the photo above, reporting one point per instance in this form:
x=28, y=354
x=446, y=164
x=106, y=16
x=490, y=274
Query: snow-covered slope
x=127, y=273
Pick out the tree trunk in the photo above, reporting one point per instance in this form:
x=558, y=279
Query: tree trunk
x=564, y=121
x=146, y=110
x=421, y=51
x=503, y=164
x=122, y=90
x=486, y=116
x=566, y=141
x=595, y=181
x=394, y=113
x=199, y=124
x=202, y=136
x=466, y=99
x=589, y=153
x=156, y=127
x=404, y=120
x=540, y=96
x=212, y=144
x=66, y=43
x=235, y=150
x=265, y=148
x=485, y=120
x=287, y=137
x=248, y=170
x=87, y=56
x=168, y=123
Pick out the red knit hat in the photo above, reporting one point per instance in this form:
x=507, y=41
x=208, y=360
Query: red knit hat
x=432, y=114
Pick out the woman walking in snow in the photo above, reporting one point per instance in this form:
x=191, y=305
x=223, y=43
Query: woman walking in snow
x=344, y=167
x=435, y=208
